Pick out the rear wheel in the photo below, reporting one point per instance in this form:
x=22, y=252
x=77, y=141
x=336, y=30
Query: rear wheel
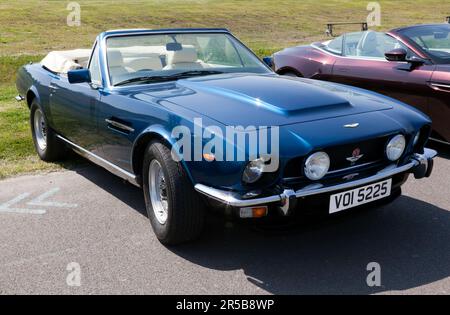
x=47, y=145
x=175, y=210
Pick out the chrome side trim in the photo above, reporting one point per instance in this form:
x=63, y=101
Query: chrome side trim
x=441, y=86
x=102, y=162
x=119, y=125
x=235, y=200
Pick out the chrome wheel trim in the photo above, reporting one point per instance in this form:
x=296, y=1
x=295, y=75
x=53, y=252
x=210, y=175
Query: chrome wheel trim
x=40, y=129
x=158, y=191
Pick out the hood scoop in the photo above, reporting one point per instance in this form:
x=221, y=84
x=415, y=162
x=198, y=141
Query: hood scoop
x=269, y=100
x=266, y=92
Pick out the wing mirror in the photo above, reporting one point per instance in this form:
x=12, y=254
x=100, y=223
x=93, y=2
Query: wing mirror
x=79, y=76
x=268, y=61
x=398, y=54
x=416, y=61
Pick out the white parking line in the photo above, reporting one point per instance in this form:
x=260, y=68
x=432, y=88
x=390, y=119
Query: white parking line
x=40, y=201
x=5, y=207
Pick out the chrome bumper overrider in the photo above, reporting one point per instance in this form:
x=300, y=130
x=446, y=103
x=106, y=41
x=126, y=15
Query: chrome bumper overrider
x=421, y=165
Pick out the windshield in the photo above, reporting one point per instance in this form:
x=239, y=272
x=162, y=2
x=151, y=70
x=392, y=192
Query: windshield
x=147, y=58
x=433, y=39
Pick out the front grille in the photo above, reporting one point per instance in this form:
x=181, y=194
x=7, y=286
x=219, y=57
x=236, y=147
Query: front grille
x=372, y=152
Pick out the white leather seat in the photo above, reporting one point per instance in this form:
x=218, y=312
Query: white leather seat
x=116, y=65
x=143, y=57
x=185, y=58
x=151, y=62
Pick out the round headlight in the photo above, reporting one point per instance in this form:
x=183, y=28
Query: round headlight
x=317, y=165
x=395, y=147
x=416, y=138
x=253, y=171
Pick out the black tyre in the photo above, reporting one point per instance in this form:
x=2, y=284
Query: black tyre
x=47, y=145
x=175, y=210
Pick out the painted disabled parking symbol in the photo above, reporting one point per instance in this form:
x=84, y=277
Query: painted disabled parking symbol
x=37, y=205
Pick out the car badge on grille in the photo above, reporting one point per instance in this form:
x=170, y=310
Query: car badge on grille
x=350, y=176
x=356, y=155
x=353, y=125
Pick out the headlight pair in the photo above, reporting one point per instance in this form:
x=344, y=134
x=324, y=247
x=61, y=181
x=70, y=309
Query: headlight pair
x=317, y=164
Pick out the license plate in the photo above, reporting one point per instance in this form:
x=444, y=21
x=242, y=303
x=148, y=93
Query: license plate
x=359, y=196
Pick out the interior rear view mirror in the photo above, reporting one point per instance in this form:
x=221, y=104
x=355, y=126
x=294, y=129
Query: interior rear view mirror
x=173, y=46
x=440, y=35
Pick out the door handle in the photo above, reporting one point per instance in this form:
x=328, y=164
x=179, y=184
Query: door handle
x=119, y=126
x=52, y=88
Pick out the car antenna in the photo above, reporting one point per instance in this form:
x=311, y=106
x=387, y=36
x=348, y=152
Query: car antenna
x=330, y=26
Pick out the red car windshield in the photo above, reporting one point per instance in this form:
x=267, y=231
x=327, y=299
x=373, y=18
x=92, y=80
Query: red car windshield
x=433, y=39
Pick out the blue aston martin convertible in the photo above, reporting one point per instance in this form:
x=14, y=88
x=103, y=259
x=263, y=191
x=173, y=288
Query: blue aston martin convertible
x=196, y=119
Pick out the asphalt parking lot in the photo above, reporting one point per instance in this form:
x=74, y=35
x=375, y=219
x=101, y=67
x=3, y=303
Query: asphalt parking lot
x=85, y=231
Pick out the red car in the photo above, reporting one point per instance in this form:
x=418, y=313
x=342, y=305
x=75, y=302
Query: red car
x=411, y=64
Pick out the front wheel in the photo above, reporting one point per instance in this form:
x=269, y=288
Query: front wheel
x=47, y=145
x=175, y=210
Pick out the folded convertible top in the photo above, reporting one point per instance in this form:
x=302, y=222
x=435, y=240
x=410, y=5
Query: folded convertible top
x=63, y=61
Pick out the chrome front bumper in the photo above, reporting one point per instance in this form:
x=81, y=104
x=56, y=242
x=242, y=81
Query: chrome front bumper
x=421, y=165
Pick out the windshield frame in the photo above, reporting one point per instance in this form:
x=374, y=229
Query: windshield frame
x=164, y=32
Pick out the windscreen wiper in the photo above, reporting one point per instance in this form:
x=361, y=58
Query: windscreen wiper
x=194, y=73
x=162, y=78
x=143, y=79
